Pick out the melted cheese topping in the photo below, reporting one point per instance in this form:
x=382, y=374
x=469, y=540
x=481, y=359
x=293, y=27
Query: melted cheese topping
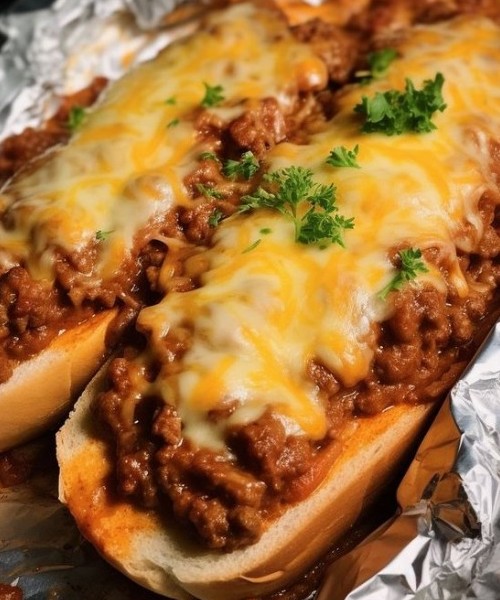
x=126, y=163
x=260, y=316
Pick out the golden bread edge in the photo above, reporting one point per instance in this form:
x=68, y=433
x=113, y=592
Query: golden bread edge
x=41, y=389
x=120, y=531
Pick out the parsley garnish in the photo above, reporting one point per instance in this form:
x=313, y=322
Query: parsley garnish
x=209, y=156
x=76, y=118
x=213, y=95
x=266, y=230
x=378, y=63
x=342, y=157
x=395, y=112
x=411, y=265
x=293, y=187
x=208, y=191
x=171, y=101
x=247, y=166
x=215, y=218
x=380, y=60
x=173, y=123
x=102, y=235
x=252, y=246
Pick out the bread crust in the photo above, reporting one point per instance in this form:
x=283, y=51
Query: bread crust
x=42, y=388
x=153, y=552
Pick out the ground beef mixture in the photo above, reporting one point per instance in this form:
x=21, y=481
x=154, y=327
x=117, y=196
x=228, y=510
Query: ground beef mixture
x=10, y=592
x=18, y=150
x=18, y=465
x=15, y=468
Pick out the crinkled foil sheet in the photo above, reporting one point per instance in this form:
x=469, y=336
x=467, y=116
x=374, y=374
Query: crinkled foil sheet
x=58, y=51
x=445, y=543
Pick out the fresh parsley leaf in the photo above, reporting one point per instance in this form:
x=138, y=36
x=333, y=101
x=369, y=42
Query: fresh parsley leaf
x=266, y=230
x=394, y=112
x=215, y=218
x=380, y=60
x=171, y=101
x=173, y=123
x=213, y=95
x=76, y=118
x=208, y=191
x=247, y=166
x=309, y=205
x=342, y=157
x=102, y=235
x=209, y=156
x=378, y=63
x=252, y=246
x=411, y=265
x=322, y=227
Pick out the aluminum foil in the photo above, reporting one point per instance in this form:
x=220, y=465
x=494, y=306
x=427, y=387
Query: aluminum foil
x=446, y=542
x=60, y=50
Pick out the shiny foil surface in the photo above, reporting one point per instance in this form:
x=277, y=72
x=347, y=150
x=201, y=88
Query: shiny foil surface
x=60, y=50
x=446, y=542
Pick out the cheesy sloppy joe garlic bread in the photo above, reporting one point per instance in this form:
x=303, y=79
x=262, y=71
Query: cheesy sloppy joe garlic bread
x=273, y=394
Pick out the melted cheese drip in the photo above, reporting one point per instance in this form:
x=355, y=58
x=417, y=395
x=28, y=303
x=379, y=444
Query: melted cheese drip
x=262, y=315
x=126, y=164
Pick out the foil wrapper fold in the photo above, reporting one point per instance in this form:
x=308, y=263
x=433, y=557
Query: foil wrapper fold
x=149, y=15
x=57, y=51
x=446, y=541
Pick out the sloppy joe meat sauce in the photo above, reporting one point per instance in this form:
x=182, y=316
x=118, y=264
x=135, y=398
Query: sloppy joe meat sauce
x=10, y=592
x=421, y=349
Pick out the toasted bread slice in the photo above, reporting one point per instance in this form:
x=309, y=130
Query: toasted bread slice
x=41, y=389
x=155, y=552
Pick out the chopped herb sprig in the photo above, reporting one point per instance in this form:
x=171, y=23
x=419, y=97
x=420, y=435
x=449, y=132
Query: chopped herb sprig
x=394, y=112
x=76, y=118
x=252, y=246
x=380, y=60
x=245, y=168
x=209, y=156
x=411, y=265
x=342, y=157
x=101, y=235
x=213, y=95
x=378, y=63
x=208, y=191
x=215, y=218
x=310, y=206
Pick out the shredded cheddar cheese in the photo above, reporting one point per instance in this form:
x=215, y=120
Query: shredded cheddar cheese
x=265, y=310
x=124, y=165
